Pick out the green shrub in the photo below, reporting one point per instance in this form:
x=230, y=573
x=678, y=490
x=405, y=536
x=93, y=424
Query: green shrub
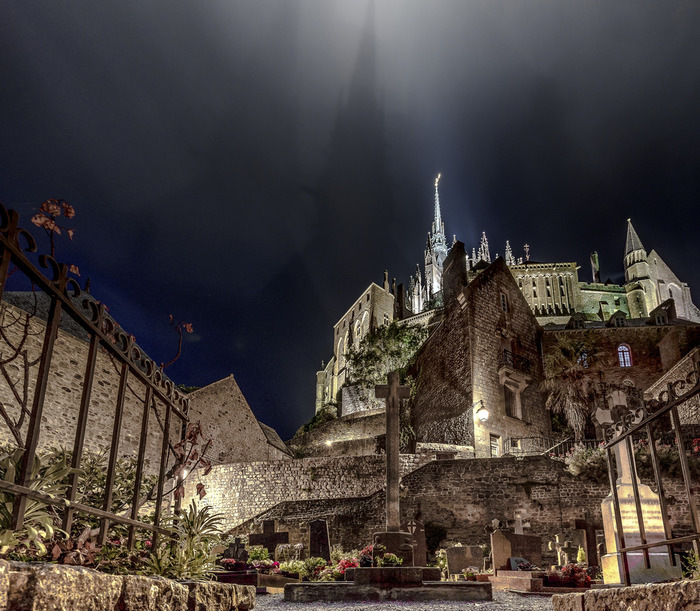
x=188, y=555
x=48, y=475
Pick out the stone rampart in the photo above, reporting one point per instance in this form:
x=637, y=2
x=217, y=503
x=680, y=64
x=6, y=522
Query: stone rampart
x=462, y=497
x=243, y=490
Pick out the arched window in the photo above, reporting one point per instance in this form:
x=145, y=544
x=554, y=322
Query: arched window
x=624, y=355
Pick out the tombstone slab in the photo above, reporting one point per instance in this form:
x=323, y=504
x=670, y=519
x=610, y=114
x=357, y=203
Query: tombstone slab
x=506, y=545
x=461, y=557
x=660, y=566
x=319, y=540
x=420, y=549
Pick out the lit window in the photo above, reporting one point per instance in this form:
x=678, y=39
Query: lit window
x=624, y=355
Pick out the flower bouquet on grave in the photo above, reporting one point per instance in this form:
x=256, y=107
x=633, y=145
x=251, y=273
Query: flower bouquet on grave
x=367, y=556
x=266, y=566
x=470, y=573
x=570, y=576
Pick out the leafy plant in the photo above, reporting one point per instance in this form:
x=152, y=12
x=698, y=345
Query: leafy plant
x=325, y=414
x=48, y=475
x=389, y=559
x=258, y=552
x=188, y=555
x=569, y=369
x=313, y=567
x=292, y=566
x=388, y=348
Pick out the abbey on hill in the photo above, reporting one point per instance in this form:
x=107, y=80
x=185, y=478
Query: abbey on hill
x=490, y=323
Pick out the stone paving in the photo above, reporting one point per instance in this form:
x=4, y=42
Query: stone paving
x=502, y=601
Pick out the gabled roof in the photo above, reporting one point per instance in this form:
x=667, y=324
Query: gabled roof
x=273, y=438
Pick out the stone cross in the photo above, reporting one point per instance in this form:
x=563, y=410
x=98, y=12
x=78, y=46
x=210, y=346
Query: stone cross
x=566, y=552
x=269, y=538
x=393, y=393
x=236, y=550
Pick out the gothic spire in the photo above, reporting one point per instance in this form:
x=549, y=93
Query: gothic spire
x=633, y=242
x=510, y=259
x=484, y=254
x=438, y=226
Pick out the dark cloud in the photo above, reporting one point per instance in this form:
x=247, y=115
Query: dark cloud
x=251, y=166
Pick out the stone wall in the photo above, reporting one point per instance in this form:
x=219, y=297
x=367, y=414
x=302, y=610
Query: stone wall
x=54, y=588
x=648, y=597
x=63, y=395
x=462, y=497
x=243, y=490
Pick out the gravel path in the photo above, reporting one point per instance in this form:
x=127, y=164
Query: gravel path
x=503, y=601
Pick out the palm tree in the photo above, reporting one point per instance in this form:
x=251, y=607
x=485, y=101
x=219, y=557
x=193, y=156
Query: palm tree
x=571, y=371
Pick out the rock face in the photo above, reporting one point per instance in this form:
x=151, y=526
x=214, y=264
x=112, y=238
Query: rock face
x=45, y=587
x=650, y=597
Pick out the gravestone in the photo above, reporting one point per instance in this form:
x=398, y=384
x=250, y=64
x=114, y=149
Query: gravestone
x=269, y=539
x=319, y=540
x=661, y=568
x=393, y=539
x=236, y=550
x=461, y=557
x=506, y=545
x=420, y=549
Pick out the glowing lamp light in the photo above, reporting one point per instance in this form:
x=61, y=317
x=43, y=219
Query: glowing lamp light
x=329, y=443
x=481, y=413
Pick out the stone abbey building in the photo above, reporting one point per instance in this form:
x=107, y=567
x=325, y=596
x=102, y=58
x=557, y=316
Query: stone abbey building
x=491, y=322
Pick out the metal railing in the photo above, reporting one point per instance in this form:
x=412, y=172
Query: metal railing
x=642, y=418
x=103, y=334
x=544, y=446
x=519, y=363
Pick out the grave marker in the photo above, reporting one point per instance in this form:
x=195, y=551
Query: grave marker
x=269, y=539
x=461, y=557
x=506, y=545
x=420, y=548
x=395, y=541
x=319, y=540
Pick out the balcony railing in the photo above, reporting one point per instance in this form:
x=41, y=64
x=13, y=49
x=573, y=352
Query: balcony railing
x=514, y=361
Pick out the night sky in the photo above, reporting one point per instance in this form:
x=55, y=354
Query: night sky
x=250, y=167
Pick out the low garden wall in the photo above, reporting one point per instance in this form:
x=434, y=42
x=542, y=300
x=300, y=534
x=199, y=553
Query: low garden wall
x=648, y=597
x=52, y=587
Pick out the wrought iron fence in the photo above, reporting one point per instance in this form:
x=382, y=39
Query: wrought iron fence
x=102, y=333
x=642, y=418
